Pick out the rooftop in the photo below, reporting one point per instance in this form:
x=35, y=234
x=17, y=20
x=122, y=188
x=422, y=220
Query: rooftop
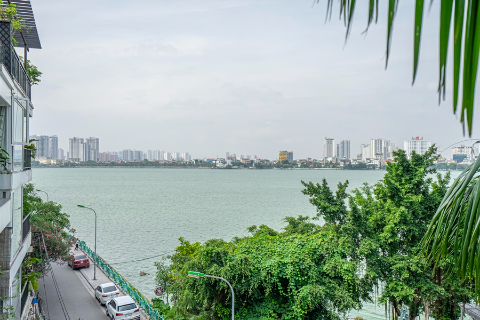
x=30, y=36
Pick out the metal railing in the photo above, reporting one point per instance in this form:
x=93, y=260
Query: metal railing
x=20, y=74
x=124, y=284
x=25, y=227
x=27, y=159
x=24, y=298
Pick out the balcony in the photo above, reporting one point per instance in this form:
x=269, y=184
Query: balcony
x=11, y=61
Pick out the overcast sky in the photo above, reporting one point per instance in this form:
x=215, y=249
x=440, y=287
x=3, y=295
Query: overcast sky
x=244, y=76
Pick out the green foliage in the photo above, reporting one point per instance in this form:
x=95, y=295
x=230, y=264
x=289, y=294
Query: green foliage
x=32, y=71
x=9, y=12
x=383, y=225
x=47, y=218
x=28, y=273
x=301, y=273
x=466, y=44
x=164, y=278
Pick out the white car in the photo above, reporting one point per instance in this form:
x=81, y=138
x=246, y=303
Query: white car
x=106, y=292
x=123, y=308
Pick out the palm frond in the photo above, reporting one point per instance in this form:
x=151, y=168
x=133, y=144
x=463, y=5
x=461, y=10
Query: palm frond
x=466, y=45
x=455, y=228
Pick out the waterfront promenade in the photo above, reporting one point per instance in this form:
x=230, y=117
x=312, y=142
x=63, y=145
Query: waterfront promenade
x=76, y=289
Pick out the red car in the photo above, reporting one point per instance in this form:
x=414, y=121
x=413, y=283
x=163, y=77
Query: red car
x=79, y=261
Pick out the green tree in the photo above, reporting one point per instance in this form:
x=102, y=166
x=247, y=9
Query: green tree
x=462, y=17
x=383, y=225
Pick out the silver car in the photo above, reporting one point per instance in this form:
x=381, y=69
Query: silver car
x=106, y=292
x=122, y=308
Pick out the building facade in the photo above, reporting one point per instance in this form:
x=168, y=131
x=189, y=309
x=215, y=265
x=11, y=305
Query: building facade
x=329, y=148
x=76, y=149
x=416, y=144
x=343, y=149
x=16, y=109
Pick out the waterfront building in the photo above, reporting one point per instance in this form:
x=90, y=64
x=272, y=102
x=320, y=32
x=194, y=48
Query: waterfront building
x=343, y=149
x=328, y=148
x=416, y=144
x=16, y=109
x=151, y=155
x=92, y=147
x=107, y=157
x=285, y=156
x=227, y=155
x=53, y=147
x=76, y=149
x=168, y=156
x=462, y=153
x=137, y=155
x=61, y=154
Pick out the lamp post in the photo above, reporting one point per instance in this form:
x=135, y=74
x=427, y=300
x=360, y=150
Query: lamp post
x=195, y=274
x=42, y=191
x=95, y=258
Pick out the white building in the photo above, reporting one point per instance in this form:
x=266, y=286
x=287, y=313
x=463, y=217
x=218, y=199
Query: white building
x=462, y=153
x=16, y=109
x=76, y=149
x=365, y=151
x=417, y=144
x=53, y=148
x=329, y=148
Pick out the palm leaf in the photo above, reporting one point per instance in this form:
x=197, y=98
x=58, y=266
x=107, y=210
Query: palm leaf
x=466, y=45
x=455, y=228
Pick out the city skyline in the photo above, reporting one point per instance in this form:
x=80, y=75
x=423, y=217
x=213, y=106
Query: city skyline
x=191, y=97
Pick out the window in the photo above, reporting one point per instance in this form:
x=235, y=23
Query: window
x=80, y=257
x=19, y=122
x=109, y=289
x=17, y=218
x=127, y=307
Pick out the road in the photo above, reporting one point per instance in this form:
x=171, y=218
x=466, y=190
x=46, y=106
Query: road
x=76, y=293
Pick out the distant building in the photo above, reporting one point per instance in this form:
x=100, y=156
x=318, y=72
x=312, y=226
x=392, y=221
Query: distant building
x=460, y=153
x=61, y=154
x=107, y=157
x=53, y=148
x=227, y=155
x=92, y=147
x=76, y=149
x=417, y=144
x=343, y=149
x=329, y=148
x=285, y=156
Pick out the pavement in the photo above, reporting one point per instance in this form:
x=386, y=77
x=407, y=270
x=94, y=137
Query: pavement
x=77, y=290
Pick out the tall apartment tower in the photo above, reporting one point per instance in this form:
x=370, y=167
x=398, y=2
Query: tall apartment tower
x=53, y=147
x=328, y=148
x=343, y=149
x=92, y=149
x=76, y=149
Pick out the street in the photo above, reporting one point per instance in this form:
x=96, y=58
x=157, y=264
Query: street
x=76, y=293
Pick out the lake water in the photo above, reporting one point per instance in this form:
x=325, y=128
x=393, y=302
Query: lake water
x=142, y=212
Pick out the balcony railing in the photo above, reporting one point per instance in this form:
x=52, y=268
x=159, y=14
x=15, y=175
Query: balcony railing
x=25, y=227
x=10, y=60
x=27, y=159
x=24, y=298
x=20, y=74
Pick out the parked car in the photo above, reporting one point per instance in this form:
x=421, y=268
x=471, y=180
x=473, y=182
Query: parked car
x=106, y=292
x=79, y=261
x=121, y=308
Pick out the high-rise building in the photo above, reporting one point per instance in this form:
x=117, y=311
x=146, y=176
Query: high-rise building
x=93, y=149
x=75, y=149
x=61, y=154
x=417, y=144
x=53, y=147
x=381, y=149
x=328, y=148
x=343, y=149
x=365, y=152
x=168, y=156
x=227, y=155
x=151, y=155
x=138, y=155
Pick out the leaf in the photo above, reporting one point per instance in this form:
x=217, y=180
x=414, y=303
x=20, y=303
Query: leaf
x=417, y=35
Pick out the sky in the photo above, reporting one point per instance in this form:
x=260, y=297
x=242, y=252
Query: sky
x=240, y=76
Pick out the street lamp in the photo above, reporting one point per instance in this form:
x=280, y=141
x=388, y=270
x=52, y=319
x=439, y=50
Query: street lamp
x=95, y=258
x=43, y=191
x=195, y=274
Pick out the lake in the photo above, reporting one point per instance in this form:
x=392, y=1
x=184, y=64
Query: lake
x=142, y=212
